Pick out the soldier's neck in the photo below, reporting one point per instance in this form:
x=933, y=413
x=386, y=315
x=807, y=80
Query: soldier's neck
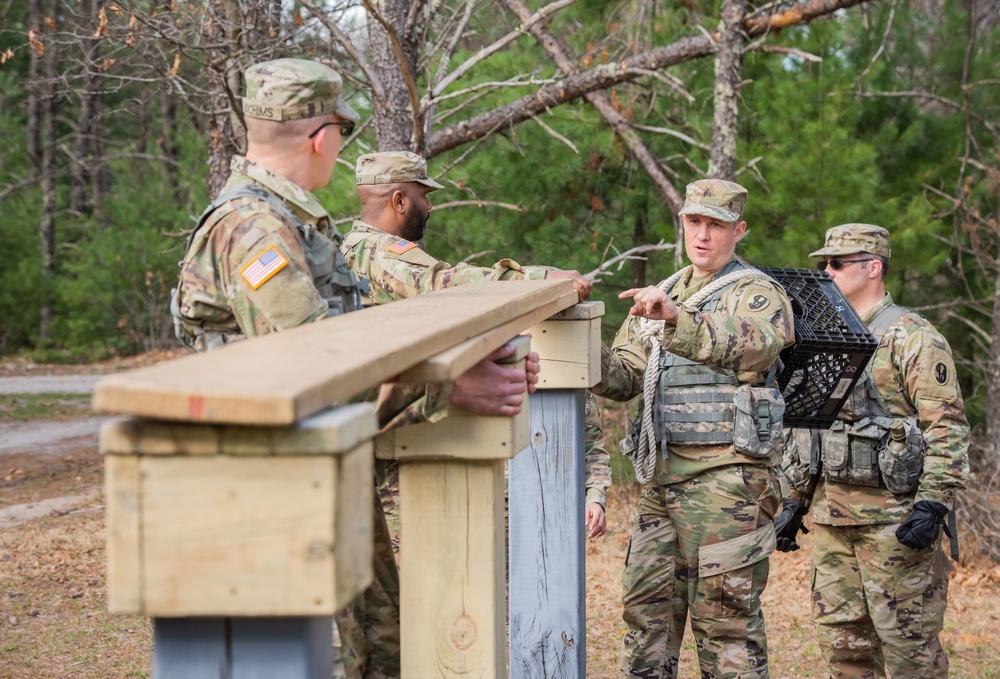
x=288, y=166
x=865, y=300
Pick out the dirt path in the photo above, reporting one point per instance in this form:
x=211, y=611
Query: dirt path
x=48, y=437
x=48, y=384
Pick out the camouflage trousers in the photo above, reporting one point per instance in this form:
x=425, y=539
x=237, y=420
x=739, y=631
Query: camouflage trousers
x=878, y=605
x=700, y=547
x=388, y=494
x=366, y=641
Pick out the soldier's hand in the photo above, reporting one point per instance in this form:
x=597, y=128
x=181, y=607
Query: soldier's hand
x=596, y=522
x=488, y=388
x=651, y=302
x=920, y=529
x=532, y=366
x=788, y=523
x=582, y=285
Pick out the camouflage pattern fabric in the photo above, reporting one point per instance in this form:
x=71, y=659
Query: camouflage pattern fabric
x=403, y=272
x=700, y=548
x=914, y=373
x=852, y=239
x=290, y=89
x=393, y=167
x=367, y=645
x=399, y=269
x=214, y=293
x=715, y=198
x=752, y=323
x=878, y=605
x=702, y=533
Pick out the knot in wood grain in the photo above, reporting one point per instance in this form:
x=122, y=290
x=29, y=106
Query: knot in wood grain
x=463, y=632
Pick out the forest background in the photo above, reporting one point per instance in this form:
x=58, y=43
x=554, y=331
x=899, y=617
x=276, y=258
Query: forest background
x=564, y=133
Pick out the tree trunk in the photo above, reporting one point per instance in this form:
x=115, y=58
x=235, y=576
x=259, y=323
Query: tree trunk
x=225, y=138
x=47, y=223
x=728, y=74
x=639, y=238
x=168, y=145
x=81, y=164
x=35, y=93
x=395, y=121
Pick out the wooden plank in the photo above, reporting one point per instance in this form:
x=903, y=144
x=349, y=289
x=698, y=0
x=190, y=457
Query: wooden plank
x=121, y=493
x=465, y=435
x=452, y=578
x=584, y=311
x=238, y=536
x=353, y=527
x=570, y=353
x=547, y=574
x=284, y=377
x=448, y=365
x=330, y=431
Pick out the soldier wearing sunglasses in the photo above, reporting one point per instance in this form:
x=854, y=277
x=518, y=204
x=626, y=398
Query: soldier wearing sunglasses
x=891, y=465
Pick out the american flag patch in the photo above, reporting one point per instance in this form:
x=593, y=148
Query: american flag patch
x=268, y=263
x=401, y=246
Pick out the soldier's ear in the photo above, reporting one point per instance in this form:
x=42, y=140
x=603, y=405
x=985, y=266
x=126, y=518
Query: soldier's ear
x=398, y=201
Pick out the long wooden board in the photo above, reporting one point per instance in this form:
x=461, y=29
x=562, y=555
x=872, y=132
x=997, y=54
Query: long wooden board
x=281, y=378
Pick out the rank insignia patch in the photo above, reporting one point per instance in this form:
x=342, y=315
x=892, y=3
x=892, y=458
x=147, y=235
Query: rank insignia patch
x=261, y=269
x=401, y=246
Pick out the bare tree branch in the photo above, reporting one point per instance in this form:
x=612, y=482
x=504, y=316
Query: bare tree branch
x=555, y=134
x=478, y=203
x=373, y=80
x=632, y=253
x=609, y=74
x=881, y=47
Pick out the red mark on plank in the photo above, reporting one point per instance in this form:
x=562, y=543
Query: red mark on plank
x=196, y=407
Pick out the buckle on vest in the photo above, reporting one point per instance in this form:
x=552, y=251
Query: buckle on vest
x=764, y=420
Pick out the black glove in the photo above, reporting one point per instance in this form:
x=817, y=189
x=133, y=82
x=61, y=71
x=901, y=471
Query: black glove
x=788, y=523
x=921, y=527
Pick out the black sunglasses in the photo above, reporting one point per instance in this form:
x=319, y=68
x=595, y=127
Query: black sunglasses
x=838, y=264
x=346, y=128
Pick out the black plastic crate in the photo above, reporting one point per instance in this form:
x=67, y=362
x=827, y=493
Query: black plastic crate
x=832, y=347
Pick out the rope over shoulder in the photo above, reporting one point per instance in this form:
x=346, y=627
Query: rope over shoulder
x=650, y=332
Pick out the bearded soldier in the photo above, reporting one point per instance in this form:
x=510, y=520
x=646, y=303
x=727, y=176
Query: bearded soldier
x=701, y=349
x=383, y=248
x=889, y=469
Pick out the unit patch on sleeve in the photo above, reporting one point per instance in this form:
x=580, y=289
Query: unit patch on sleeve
x=261, y=269
x=401, y=246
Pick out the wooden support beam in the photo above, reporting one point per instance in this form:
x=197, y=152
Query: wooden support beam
x=452, y=570
x=239, y=521
x=321, y=363
x=569, y=346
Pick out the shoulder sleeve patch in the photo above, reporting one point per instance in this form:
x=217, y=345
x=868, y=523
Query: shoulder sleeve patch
x=260, y=269
x=937, y=376
x=401, y=246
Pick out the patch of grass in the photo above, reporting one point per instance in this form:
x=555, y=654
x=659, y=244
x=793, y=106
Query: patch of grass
x=23, y=407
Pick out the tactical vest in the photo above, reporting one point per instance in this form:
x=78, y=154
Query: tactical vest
x=698, y=404
x=866, y=445
x=338, y=287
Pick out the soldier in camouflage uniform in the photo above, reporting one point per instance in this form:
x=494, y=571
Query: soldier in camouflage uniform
x=264, y=258
x=383, y=249
x=711, y=431
x=891, y=464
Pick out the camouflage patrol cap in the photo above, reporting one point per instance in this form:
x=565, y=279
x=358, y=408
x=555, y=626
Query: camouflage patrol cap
x=290, y=89
x=715, y=198
x=393, y=167
x=850, y=239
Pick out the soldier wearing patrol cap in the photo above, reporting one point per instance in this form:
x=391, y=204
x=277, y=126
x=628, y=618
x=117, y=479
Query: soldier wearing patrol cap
x=383, y=248
x=701, y=348
x=264, y=257
x=891, y=465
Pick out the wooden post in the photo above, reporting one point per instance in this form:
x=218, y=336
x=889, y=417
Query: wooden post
x=452, y=541
x=547, y=569
x=240, y=542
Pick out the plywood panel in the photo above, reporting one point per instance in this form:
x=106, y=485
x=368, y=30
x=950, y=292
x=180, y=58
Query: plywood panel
x=331, y=431
x=570, y=353
x=121, y=493
x=353, y=532
x=283, y=377
x=238, y=536
x=452, y=570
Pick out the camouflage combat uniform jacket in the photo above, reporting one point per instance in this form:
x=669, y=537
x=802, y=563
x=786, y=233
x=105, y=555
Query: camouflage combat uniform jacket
x=914, y=374
x=752, y=324
x=214, y=294
x=398, y=269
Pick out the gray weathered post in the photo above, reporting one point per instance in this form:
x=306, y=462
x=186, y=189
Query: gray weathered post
x=546, y=500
